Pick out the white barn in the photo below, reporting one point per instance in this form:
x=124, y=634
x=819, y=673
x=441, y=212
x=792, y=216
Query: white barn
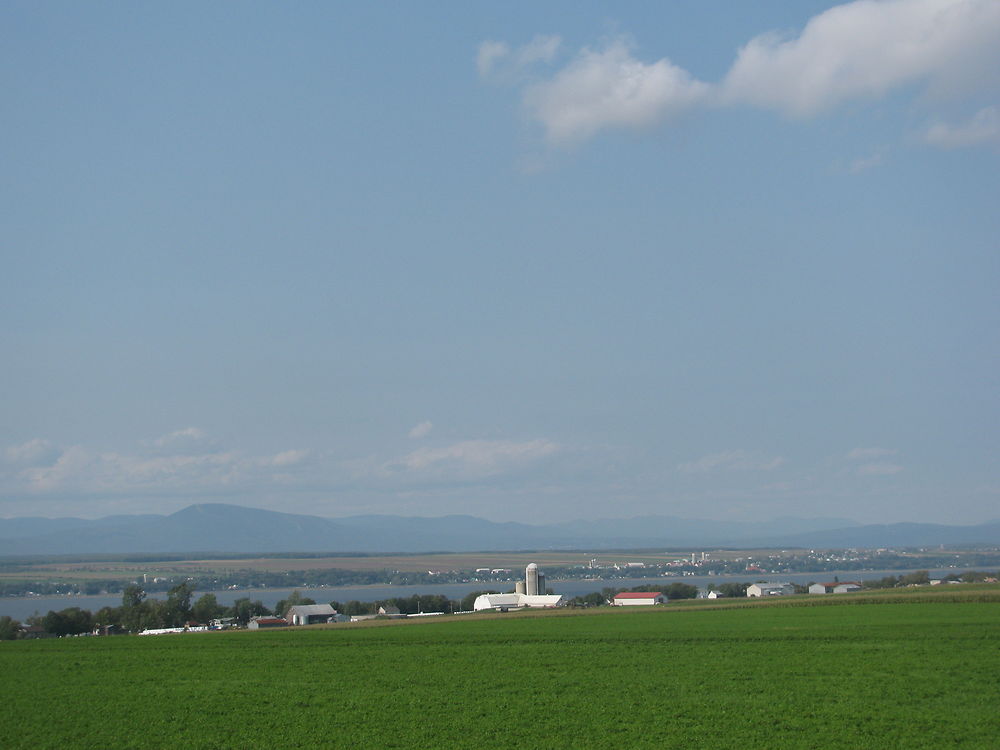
x=638, y=599
x=835, y=587
x=769, y=589
x=307, y=614
x=503, y=602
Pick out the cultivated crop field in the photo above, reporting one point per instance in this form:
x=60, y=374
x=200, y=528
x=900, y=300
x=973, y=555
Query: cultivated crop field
x=888, y=674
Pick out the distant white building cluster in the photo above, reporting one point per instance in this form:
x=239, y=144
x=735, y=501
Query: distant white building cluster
x=526, y=594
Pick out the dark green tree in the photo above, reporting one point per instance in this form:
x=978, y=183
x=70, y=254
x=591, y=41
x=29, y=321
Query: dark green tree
x=678, y=590
x=206, y=608
x=69, y=621
x=132, y=595
x=178, y=605
x=10, y=629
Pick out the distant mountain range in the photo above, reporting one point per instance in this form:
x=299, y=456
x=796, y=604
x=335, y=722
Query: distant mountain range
x=219, y=528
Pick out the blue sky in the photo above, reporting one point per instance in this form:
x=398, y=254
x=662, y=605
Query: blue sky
x=525, y=263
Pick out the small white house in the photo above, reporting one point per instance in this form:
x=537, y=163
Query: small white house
x=769, y=589
x=638, y=599
x=715, y=595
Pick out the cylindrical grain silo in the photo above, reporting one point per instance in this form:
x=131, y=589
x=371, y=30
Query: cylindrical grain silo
x=531, y=579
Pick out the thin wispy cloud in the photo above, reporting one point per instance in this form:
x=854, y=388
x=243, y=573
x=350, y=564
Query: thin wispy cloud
x=186, y=460
x=736, y=460
x=479, y=456
x=862, y=454
x=421, y=430
x=880, y=468
x=864, y=163
x=871, y=462
x=35, y=452
x=499, y=61
x=983, y=129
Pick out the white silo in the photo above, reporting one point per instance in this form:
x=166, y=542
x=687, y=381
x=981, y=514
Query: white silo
x=531, y=579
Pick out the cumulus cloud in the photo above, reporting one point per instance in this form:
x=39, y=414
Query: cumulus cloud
x=862, y=50
x=982, y=130
x=737, y=460
x=421, y=430
x=609, y=88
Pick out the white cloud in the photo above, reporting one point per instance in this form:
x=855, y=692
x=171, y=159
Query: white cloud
x=478, y=456
x=865, y=49
x=879, y=469
x=421, y=430
x=866, y=454
x=610, y=88
x=982, y=130
x=862, y=50
x=738, y=460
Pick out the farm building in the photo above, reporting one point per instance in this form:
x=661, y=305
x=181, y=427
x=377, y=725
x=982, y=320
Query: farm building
x=769, y=589
x=716, y=595
x=388, y=610
x=261, y=623
x=638, y=599
x=527, y=593
x=309, y=614
x=504, y=602
x=836, y=587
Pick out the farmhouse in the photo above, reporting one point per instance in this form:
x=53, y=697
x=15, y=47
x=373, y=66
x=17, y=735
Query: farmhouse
x=836, y=587
x=769, y=589
x=638, y=599
x=308, y=614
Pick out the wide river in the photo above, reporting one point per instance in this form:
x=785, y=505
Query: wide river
x=21, y=608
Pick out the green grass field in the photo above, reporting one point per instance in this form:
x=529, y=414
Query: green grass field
x=892, y=674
